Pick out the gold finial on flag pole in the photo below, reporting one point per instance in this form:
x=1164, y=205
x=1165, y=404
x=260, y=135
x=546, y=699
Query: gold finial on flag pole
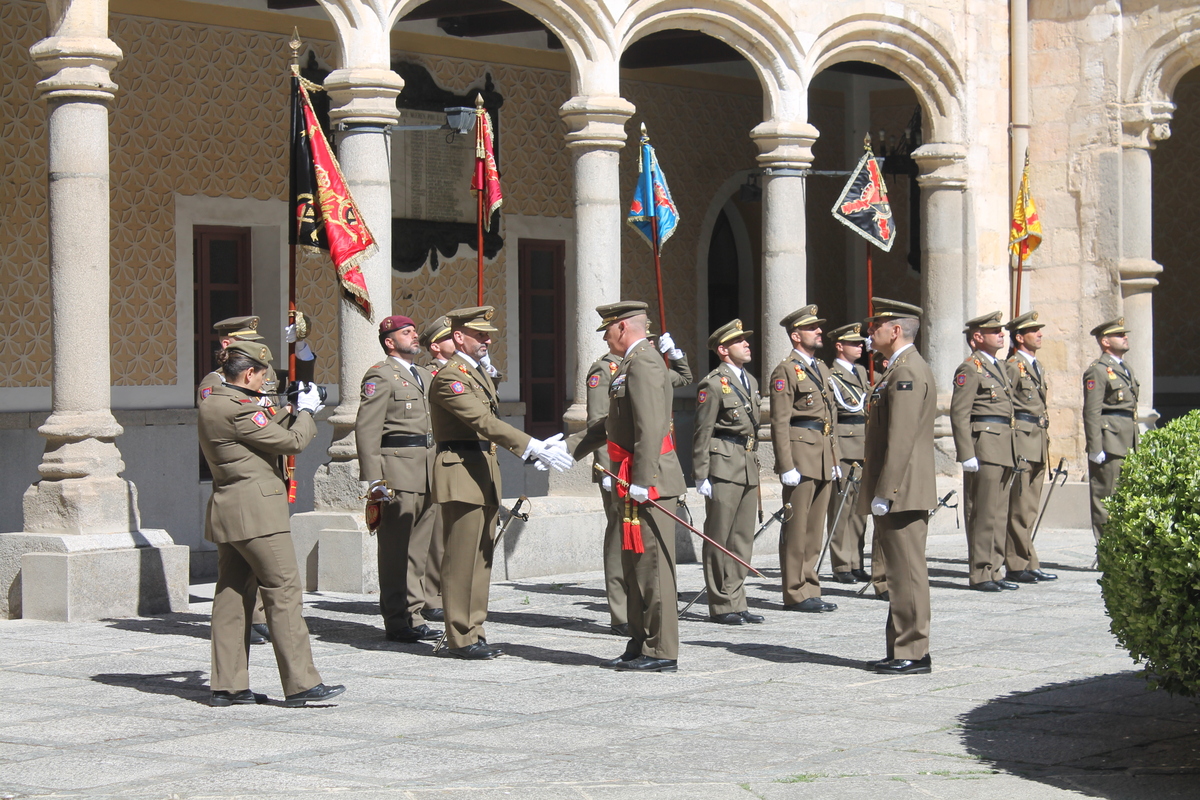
x=867, y=142
x=478, y=101
x=295, y=44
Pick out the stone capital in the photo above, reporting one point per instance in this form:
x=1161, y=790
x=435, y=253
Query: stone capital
x=76, y=67
x=596, y=122
x=784, y=145
x=364, y=96
x=1138, y=275
x=1144, y=123
x=943, y=166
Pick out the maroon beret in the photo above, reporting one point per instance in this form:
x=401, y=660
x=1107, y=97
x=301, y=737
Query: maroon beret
x=395, y=323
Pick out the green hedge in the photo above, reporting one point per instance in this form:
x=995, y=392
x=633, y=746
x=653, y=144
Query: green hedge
x=1150, y=556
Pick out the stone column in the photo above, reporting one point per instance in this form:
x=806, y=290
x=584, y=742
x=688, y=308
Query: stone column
x=943, y=271
x=1144, y=124
x=596, y=134
x=78, y=557
x=785, y=151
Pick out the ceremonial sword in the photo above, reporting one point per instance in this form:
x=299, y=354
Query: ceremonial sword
x=943, y=503
x=1059, y=472
x=783, y=514
x=850, y=481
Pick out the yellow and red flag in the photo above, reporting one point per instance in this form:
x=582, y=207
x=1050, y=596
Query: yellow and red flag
x=324, y=215
x=486, y=178
x=1026, y=232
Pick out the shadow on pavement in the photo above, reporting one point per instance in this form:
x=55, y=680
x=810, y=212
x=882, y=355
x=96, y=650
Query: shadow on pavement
x=188, y=685
x=557, y=589
x=178, y=624
x=782, y=655
x=1104, y=737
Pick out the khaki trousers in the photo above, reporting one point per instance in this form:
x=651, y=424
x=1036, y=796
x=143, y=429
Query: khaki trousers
x=432, y=585
x=902, y=536
x=614, y=573
x=730, y=523
x=1102, y=479
x=800, y=544
x=266, y=564
x=987, y=515
x=405, y=530
x=1023, y=502
x=879, y=581
x=467, y=570
x=846, y=543
x=653, y=596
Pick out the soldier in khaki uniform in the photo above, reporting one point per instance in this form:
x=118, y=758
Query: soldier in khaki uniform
x=899, y=481
x=725, y=465
x=851, y=387
x=803, y=419
x=466, y=477
x=395, y=457
x=1110, y=429
x=248, y=522
x=981, y=413
x=437, y=340
x=1031, y=442
x=637, y=432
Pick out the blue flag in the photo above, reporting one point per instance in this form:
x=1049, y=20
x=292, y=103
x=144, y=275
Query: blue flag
x=652, y=199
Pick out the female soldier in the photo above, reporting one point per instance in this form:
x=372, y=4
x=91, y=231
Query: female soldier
x=248, y=513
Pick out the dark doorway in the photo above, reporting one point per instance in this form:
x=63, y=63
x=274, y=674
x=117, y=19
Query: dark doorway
x=543, y=325
x=723, y=273
x=220, y=284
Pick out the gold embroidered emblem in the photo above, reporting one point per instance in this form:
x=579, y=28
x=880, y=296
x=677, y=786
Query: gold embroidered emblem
x=725, y=385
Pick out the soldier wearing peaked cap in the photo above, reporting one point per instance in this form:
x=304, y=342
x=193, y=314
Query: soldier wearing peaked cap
x=436, y=339
x=1031, y=442
x=899, y=484
x=637, y=433
x=466, y=477
x=981, y=414
x=394, y=438
x=725, y=465
x=1110, y=426
x=803, y=420
x=851, y=388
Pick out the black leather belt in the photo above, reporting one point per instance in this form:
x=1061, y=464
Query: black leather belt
x=991, y=418
x=811, y=424
x=406, y=440
x=1041, y=422
x=465, y=446
x=748, y=442
x=1116, y=412
x=857, y=419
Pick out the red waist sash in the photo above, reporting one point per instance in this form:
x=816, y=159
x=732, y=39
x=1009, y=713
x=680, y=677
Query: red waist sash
x=631, y=526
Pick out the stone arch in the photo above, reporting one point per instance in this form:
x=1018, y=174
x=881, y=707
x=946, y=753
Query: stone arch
x=755, y=29
x=920, y=54
x=1165, y=62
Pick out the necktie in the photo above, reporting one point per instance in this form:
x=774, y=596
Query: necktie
x=1037, y=370
x=417, y=378
x=745, y=383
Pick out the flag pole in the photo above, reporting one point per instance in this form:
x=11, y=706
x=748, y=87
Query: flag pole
x=870, y=310
x=662, y=308
x=479, y=205
x=1020, y=269
x=290, y=463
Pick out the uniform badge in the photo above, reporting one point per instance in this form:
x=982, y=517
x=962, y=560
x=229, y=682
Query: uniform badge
x=463, y=369
x=205, y=392
x=725, y=385
x=702, y=396
x=457, y=387
x=612, y=367
x=779, y=384
x=260, y=419
x=369, y=389
x=593, y=381
x=1091, y=384
x=799, y=372
x=960, y=379
x=903, y=386
x=434, y=371
x=1112, y=376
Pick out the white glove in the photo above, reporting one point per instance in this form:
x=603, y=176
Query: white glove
x=879, y=506
x=606, y=483
x=837, y=472
x=486, y=363
x=290, y=333
x=1098, y=458
x=790, y=478
x=640, y=494
x=704, y=488
x=666, y=346
x=378, y=490
x=553, y=453
x=304, y=352
x=971, y=464
x=309, y=399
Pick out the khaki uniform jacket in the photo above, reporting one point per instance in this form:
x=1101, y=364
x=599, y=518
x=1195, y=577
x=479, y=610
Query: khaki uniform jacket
x=798, y=394
x=723, y=409
x=213, y=379
x=390, y=401
x=639, y=417
x=599, y=376
x=464, y=407
x=1109, y=384
x=1031, y=440
x=242, y=447
x=854, y=386
x=899, y=439
x=982, y=389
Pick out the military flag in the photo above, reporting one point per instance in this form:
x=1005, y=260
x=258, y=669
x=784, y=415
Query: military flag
x=863, y=205
x=652, y=213
x=324, y=215
x=485, y=182
x=1026, y=232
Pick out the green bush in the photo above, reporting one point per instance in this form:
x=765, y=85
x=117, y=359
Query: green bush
x=1150, y=556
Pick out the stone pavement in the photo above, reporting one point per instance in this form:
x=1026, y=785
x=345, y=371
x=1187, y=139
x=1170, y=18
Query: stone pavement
x=1029, y=698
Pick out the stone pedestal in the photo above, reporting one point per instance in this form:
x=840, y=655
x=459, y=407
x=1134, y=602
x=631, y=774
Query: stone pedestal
x=596, y=135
